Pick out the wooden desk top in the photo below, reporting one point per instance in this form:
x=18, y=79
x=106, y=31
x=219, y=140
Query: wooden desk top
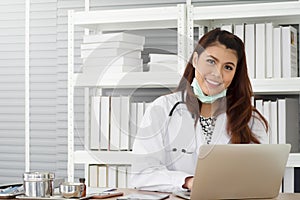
x=282, y=196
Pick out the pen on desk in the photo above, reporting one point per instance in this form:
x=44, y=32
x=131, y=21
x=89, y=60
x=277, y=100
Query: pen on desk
x=110, y=190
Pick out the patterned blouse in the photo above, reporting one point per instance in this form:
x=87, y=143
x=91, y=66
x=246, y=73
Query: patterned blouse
x=208, y=125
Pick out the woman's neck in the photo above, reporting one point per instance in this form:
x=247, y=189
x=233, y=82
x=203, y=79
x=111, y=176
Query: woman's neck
x=206, y=110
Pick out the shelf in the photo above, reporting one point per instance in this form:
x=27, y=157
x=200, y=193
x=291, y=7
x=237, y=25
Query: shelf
x=127, y=157
x=293, y=160
x=276, y=86
x=171, y=80
x=128, y=80
x=104, y=157
x=126, y=19
x=255, y=11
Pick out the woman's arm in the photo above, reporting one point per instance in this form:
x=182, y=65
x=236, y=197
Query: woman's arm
x=150, y=171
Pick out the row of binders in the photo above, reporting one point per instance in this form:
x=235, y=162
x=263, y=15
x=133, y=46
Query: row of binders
x=271, y=51
x=283, y=118
x=111, y=176
x=114, y=122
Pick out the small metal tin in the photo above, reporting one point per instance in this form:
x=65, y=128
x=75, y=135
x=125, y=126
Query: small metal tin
x=38, y=184
x=70, y=190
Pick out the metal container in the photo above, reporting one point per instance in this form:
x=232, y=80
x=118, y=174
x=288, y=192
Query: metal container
x=70, y=190
x=38, y=184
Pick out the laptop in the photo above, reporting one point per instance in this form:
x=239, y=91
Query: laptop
x=239, y=171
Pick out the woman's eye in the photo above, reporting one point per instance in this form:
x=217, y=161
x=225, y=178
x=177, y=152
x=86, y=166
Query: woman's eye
x=210, y=61
x=228, y=67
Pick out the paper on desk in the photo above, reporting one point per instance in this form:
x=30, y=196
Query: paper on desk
x=93, y=190
x=144, y=197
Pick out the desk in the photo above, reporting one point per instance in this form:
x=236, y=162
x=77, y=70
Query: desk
x=282, y=196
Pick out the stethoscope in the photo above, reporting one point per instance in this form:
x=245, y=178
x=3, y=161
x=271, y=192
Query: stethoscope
x=174, y=149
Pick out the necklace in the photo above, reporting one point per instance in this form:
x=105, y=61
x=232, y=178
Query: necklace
x=208, y=125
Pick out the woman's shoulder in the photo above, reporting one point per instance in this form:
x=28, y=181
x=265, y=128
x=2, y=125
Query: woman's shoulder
x=169, y=98
x=165, y=103
x=258, y=127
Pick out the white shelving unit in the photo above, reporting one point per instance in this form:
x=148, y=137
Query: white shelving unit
x=112, y=20
x=277, y=13
x=184, y=18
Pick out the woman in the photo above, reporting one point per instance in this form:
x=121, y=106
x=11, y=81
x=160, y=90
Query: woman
x=211, y=105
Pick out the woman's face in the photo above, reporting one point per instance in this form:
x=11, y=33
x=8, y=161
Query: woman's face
x=215, y=68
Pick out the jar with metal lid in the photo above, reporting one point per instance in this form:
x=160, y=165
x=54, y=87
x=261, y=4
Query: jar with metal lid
x=38, y=184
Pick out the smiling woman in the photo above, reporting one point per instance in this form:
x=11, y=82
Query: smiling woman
x=211, y=105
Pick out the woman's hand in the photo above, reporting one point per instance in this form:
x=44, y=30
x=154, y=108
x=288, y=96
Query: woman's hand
x=188, y=184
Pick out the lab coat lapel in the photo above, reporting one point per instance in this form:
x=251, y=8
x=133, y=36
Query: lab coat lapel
x=220, y=135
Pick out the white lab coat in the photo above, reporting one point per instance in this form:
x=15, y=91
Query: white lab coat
x=161, y=165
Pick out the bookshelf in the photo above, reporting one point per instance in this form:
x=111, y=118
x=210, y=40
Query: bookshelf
x=117, y=20
x=185, y=18
x=277, y=14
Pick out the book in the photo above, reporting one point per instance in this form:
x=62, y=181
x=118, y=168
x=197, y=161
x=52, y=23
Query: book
x=93, y=175
x=162, y=67
x=140, y=114
x=115, y=123
x=269, y=50
x=274, y=123
x=227, y=27
x=260, y=51
x=102, y=177
x=239, y=30
x=116, y=53
x=288, y=180
x=202, y=31
x=289, y=52
x=114, y=37
x=267, y=114
x=124, y=132
x=112, y=61
x=122, y=176
x=250, y=48
x=105, y=122
x=163, y=58
x=288, y=122
x=110, y=45
x=95, y=123
x=132, y=124
x=122, y=68
x=259, y=106
x=277, y=49
x=112, y=176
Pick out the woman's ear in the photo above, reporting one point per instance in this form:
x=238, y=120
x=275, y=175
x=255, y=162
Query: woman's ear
x=195, y=59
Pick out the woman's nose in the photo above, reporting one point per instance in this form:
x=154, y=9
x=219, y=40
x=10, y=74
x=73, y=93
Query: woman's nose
x=217, y=70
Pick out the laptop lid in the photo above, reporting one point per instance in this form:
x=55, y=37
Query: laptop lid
x=239, y=171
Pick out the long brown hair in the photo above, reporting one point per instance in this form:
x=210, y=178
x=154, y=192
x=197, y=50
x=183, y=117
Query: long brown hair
x=238, y=98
